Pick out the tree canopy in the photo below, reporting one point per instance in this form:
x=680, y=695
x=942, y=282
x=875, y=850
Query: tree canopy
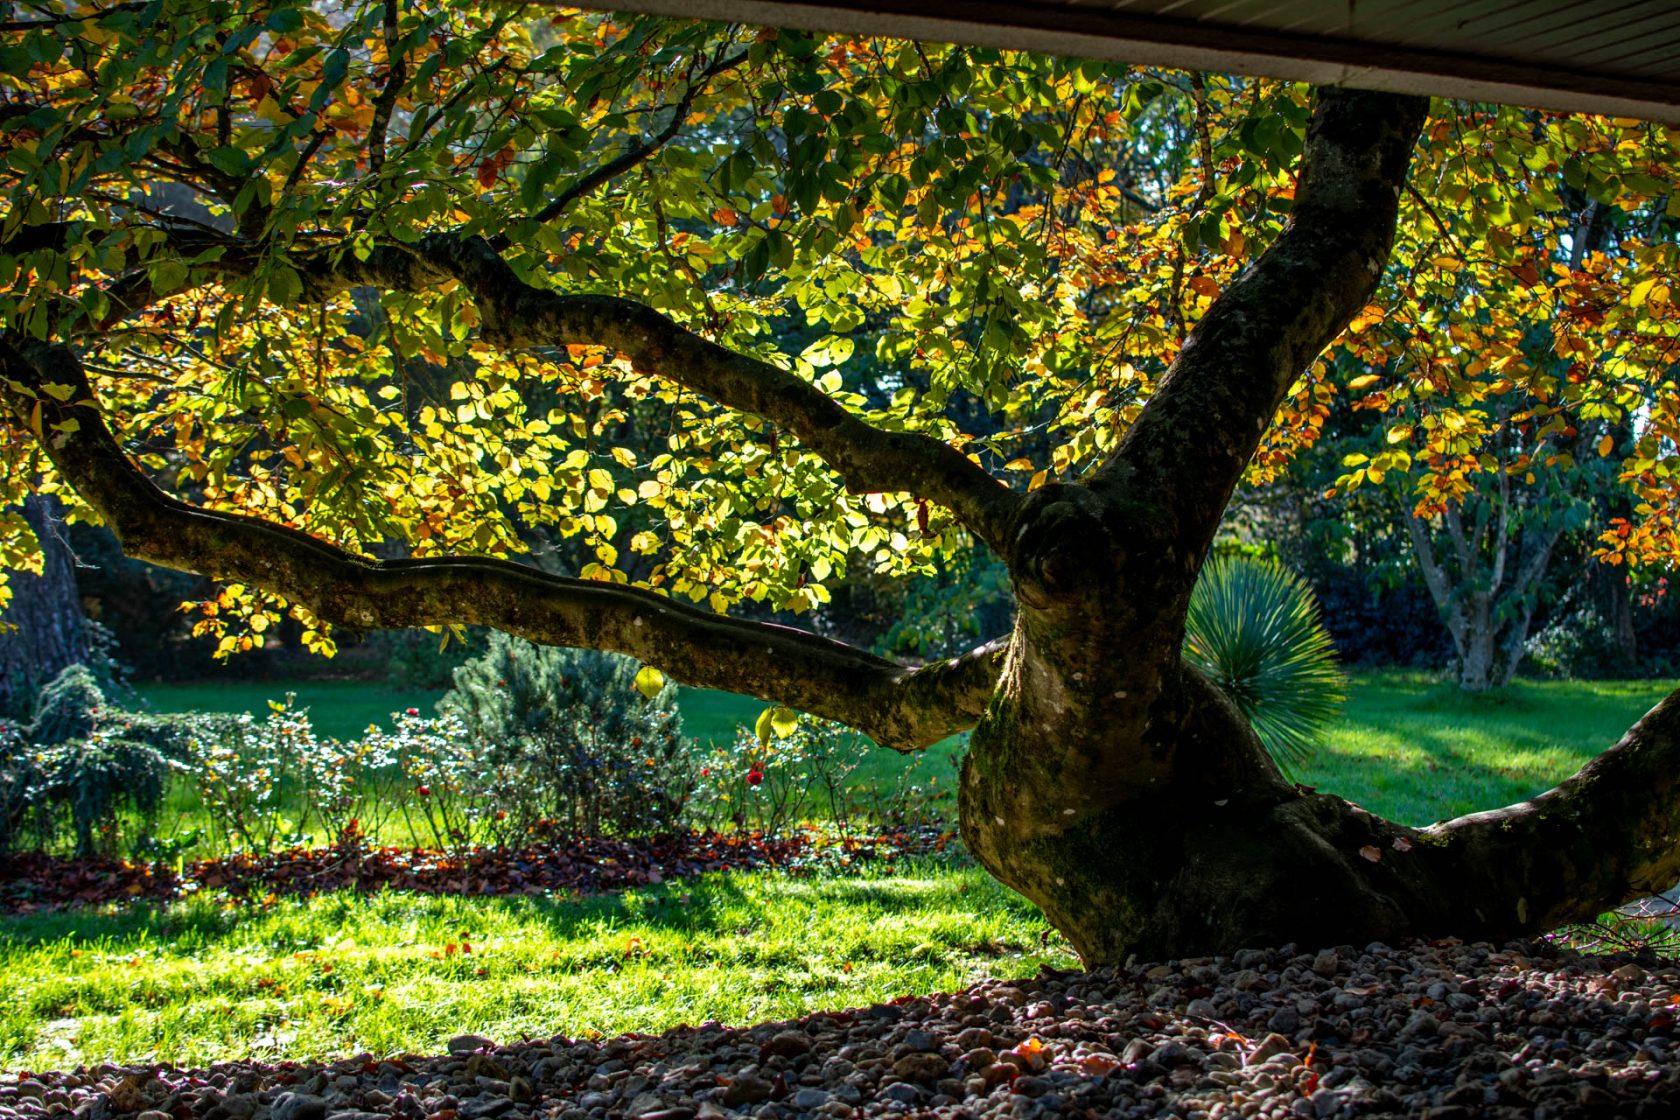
x=240, y=212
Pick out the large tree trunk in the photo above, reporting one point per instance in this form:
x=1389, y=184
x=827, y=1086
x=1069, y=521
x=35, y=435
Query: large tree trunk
x=43, y=630
x=1200, y=847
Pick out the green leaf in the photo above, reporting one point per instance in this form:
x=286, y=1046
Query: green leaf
x=284, y=21
x=285, y=286
x=169, y=276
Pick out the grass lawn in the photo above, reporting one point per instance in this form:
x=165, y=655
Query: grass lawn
x=339, y=709
x=198, y=982
x=1416, y=750
x=1407, y=746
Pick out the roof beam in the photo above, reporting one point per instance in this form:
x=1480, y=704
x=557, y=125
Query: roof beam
x=1127, y=35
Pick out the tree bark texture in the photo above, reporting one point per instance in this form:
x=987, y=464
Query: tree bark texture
x=43, y=630
x=1105, y=780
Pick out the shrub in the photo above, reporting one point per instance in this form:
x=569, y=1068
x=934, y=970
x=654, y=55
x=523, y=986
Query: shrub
x=79, y=765
x=264, y=782
x=443, y=790
x=569, y=742
x=1254, y=630
x=809, y=773
x=20, y=776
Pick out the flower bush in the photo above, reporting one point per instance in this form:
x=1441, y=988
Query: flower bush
x=809, y=774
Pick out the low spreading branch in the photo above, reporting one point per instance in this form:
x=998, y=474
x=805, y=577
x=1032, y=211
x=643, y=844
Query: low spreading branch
x=1588, y=845
x=47, y=390
x=517, y=315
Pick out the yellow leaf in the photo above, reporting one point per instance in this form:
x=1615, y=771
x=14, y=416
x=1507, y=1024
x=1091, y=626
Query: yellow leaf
x=1363, y=382
x=1606, y=445
x=650, y=682
x=777, y=720
x=600, y=480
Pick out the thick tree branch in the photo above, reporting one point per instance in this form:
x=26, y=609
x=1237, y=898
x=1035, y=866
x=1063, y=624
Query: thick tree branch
x=518, y=315
x=1600, y=839
x=1187, y=450
x=900, y=708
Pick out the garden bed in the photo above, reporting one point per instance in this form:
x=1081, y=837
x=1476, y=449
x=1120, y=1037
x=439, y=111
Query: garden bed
x=35, y=881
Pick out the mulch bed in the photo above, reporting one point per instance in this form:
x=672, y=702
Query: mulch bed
x=33, y=881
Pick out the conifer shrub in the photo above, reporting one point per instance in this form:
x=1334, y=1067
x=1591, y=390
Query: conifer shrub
x=569, y=744
x=80, y=767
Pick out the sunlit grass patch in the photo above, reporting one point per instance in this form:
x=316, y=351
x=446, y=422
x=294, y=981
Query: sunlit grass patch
x=198, y=982
x=1419, y=750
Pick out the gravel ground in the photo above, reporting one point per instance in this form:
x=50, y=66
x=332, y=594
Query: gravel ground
x=1446, y=1031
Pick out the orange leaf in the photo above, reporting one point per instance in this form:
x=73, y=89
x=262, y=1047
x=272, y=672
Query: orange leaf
x=489, y=171
x=1372, y=853
x=724, y=216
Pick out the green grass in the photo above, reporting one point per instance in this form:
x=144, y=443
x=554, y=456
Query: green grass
x=339, y=709
x=1407, y=745
x=1416, y=750
x=199, y=981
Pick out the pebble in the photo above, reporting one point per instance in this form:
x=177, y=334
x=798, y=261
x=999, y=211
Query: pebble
x=1438, y=1031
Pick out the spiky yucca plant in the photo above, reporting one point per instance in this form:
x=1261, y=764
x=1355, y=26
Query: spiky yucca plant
x=1254, y=630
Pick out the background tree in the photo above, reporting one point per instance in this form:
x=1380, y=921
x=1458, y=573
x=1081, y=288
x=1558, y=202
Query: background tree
x=43, y=630
x=640, y=213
